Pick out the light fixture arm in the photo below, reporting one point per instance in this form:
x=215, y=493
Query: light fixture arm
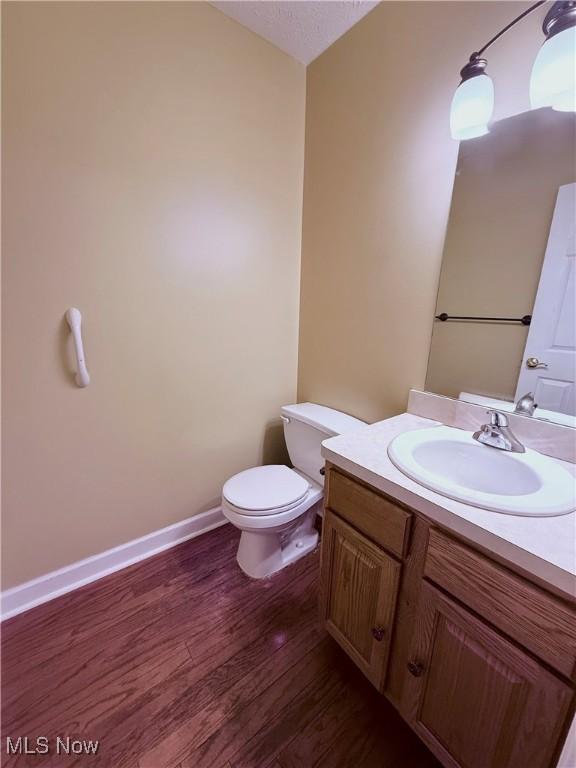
x=477, y=54
x=561, y=15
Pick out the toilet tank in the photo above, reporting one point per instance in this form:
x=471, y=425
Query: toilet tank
x=306, y=425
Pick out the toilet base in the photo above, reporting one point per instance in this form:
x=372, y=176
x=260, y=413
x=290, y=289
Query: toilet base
x=300, y=547
x=262, y=553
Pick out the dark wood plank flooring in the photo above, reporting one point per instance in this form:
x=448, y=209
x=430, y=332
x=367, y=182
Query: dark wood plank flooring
x=183, y=662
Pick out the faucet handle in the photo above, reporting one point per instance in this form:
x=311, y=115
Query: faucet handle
x=497, y=418
x=496, y=434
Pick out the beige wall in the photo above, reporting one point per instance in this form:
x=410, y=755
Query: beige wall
x=153, y=160
x=379, y=170
x=502, y=207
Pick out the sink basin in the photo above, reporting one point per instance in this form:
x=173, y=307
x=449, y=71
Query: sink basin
x=450, y=462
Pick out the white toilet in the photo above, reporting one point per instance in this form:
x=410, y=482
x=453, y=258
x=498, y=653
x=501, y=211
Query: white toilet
x=275, y=506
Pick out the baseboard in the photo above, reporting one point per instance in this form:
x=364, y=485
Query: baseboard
x=44, y=588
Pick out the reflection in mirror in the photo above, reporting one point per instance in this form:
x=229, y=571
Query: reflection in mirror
x=507, y=284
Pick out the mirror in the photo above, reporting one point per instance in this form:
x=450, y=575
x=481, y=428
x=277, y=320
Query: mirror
x=507, y=291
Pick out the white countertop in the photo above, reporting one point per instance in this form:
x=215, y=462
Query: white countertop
x=542, y=547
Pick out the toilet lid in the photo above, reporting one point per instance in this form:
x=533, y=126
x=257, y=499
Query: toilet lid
x=263, y=489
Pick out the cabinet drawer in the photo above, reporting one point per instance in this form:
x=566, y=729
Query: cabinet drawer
x=380, y=520
x=536, y=620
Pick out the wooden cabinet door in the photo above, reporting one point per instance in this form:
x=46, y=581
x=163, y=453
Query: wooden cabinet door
x=358, y=596
x=476, y=699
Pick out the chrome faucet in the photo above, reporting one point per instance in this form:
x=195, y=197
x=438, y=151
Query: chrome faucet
x=497, y=434
x=526, y=405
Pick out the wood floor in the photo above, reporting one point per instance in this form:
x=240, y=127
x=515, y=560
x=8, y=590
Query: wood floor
x=182, y=661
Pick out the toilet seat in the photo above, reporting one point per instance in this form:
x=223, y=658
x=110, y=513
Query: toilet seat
x=265, y=490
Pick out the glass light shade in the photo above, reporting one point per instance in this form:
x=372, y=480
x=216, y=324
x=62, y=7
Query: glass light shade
x=553, y=79
x=472, y=108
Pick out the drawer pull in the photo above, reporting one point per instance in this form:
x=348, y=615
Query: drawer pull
x=378, y=633
x=415, y=669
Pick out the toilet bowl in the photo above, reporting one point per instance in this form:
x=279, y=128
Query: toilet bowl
x=275, y=506
x=271, y=506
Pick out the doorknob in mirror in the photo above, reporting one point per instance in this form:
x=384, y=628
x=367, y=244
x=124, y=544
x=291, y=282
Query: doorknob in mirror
x=533, y=362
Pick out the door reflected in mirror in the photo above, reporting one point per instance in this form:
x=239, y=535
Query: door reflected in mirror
x=505, y=328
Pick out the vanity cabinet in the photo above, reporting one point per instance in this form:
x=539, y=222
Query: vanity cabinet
x=478, y=660
x=360, y=588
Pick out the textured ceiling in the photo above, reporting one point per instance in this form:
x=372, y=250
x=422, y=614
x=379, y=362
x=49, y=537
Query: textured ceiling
x=303, y=28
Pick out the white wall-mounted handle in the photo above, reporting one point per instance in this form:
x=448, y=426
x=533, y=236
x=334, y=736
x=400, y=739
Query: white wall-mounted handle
x=74, y=319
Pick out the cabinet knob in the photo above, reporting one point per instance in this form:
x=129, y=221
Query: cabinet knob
x=378, y=633
x=415, y=668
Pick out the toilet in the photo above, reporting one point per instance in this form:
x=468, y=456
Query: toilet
x=275, y=506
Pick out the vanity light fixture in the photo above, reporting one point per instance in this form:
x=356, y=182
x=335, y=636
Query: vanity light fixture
x=552, y=83
x=473, y=102
x=553, y=79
